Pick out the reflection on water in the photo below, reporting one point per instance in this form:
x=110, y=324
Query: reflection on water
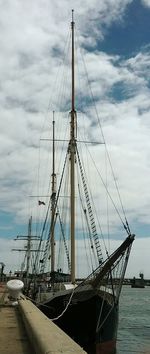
x=134, y=321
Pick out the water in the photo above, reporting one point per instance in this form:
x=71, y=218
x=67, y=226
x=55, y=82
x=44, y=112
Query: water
x=134, y=321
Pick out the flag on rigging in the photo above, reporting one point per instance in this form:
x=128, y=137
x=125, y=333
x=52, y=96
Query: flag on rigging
x=40, y=202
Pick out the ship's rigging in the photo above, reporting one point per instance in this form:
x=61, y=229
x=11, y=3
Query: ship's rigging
x=54, y=214
x=71, y=219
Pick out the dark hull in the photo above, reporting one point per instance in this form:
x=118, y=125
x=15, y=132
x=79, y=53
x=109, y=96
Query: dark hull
x=81, y=319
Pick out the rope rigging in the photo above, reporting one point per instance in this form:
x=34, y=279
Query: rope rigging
x=90, y=214
x=87, y=210
x=53, y=220
x=87, y=222
x=64, y=240
x=92, y=101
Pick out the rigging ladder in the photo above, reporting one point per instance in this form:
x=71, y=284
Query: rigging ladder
x=90, y=213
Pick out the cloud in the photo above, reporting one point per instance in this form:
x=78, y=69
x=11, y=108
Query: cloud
x=146, y=2
x=32, y=42
x=13, y=260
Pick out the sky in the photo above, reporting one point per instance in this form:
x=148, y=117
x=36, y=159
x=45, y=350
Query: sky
x=115, y=39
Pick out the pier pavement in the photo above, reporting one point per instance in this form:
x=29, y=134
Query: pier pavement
x=24, y=329
x=13, y=335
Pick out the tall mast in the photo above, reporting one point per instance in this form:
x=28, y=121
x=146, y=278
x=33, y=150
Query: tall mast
x=29, y=246
x=53, y=196
x=72, y=161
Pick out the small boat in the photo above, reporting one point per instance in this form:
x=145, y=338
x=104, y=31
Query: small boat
x=86, y=308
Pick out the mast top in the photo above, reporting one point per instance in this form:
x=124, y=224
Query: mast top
x=72, y=22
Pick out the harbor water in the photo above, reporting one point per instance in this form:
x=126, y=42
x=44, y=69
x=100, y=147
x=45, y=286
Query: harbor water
x=134, y=321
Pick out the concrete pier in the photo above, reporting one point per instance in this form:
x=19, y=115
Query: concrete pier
x=47, y=338
x=13, y=336
x=24, y=329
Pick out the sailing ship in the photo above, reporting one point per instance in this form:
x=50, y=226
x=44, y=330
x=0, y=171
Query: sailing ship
x=86, y=309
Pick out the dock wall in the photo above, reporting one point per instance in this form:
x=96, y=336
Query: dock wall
x=44, y=335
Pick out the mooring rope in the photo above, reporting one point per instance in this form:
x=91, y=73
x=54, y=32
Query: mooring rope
x=65, y=309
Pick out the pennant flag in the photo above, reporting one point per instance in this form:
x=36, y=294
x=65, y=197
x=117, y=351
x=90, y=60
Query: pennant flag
x=40, y=202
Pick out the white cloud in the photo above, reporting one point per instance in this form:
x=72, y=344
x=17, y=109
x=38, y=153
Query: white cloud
x=11, y=259
x=146, y=2
x=32, y=41
x=14, y=259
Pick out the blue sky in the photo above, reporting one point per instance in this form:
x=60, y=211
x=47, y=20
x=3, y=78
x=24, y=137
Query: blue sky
x=115, y=38
x=128, y=36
